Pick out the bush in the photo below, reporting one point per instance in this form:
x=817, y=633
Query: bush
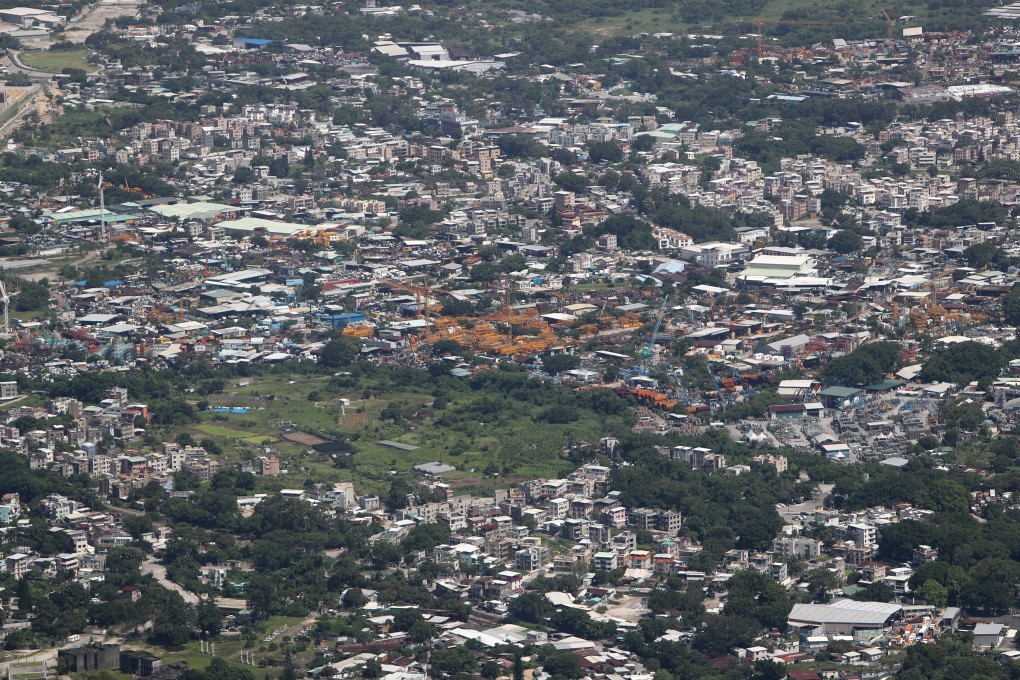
x=558, y=415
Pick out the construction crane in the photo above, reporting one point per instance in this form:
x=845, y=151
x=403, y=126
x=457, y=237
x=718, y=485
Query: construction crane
x=649, y=349
x=5, y=298
x=759, y=25
x=421, y=294
x=720, y=395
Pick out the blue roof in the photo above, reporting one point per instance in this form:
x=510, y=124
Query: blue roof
x=670, y=267
x=256, y=41
x=112, y=284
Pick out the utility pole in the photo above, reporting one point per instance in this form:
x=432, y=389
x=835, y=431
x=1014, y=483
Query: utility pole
x=102, y=209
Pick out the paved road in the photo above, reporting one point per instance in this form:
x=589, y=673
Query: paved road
x=10, y=126
x=13, y=63
x=809, y=505
x=158, y=571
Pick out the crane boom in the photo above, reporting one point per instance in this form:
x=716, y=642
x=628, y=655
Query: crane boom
x=658, y=325
x=759, y=24
x=6, y=300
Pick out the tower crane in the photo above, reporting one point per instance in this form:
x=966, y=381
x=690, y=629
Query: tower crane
x=421, y=295
x=6, y=300
x=649, y=349
x=759, y=24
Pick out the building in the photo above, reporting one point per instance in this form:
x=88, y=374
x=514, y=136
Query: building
x=670, y=521
x=137, y=662
x=17, y=565
x=797, y=546
x=778, y=462
x=531, y=558
x=28, y=16
x=862, y=620
x=989, y=635
x=268, y=465
x=95, y=657
x=605, y=561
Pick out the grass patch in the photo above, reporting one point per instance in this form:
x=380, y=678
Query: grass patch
x=218, y=431
x=488, y=451
x=229, y=648
x=108, y=674
x=668, y=20
x=57, y=60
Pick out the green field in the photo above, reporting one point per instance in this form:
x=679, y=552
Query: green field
x=57, y=60
x=669, y=19
x=484, y=454
x=226, y=433
x=227, y=648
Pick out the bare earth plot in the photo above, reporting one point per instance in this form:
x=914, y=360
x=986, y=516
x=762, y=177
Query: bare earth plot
x=95, y=19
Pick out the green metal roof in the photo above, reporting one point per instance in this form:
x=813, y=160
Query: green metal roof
x=885, y=385
x=844, y=392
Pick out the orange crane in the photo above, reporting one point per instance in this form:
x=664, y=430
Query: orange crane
x=421, y=294
x=761, y=23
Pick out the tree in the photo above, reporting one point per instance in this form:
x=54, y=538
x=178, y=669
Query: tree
x=209, y=617
x=531, y=607
x=261, y=592
x=211, y=447
x=26, y=601
x=279, y=167
x=353, y=598
x=557, y=363
x=724, y=633
x=1011, y=307
x=846, y=241
x=563, y=665
x=963, y=362
x=755, y=596
x=571, y=181
x=243, y=175
x=451, y=662
x=953, y=577
x=289, y=671
x=340, y=352
x=385, y=554
x=933, y=593
x=865, y=365
x=993, y=583
x=400, y=488
x=821, y=582
x=220, y=669
x=124, y=559
x=421, y=632
x=643, y=143
x=767, y=669
x=557, y=415
x=605, y=151
x=426, y=537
